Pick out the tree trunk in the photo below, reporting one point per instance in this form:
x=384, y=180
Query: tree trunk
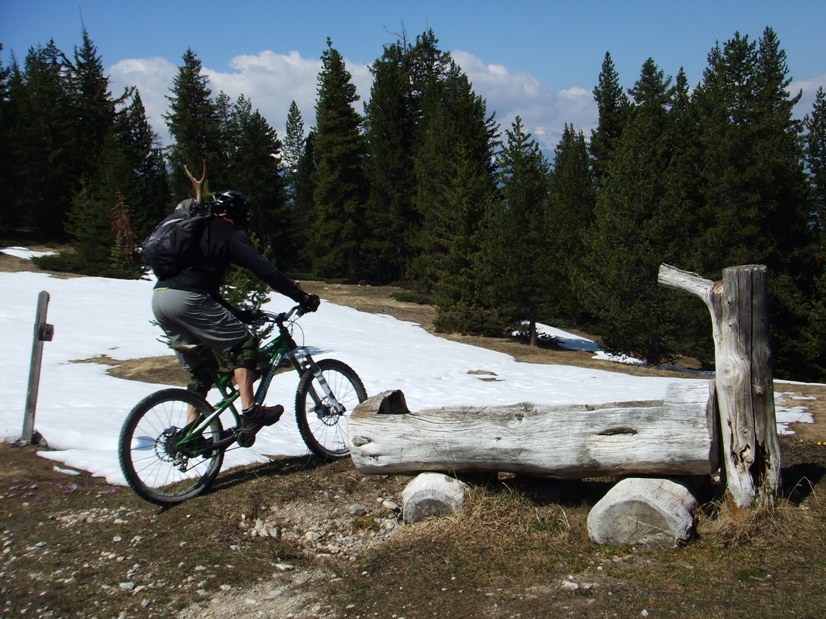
x=739, y=321
x=657, y=513
x=674, y=436
x=432, y=494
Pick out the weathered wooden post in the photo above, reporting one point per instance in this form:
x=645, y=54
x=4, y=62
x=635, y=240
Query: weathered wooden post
x=739, y=320
x=43, y=332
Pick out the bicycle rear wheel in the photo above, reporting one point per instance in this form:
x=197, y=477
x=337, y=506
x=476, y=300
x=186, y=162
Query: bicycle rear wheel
x=158, y=462
x=324, y=430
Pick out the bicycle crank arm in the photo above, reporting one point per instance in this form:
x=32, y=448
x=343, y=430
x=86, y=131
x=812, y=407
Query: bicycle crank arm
x=225, y=442
x=221, y=444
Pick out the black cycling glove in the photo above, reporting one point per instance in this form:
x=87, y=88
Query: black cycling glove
x=309, y=304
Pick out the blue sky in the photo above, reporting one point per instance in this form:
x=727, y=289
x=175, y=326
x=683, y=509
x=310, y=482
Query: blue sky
x=538, y=59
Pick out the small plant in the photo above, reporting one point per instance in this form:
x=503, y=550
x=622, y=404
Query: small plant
x=366, y=523
x=550, y=523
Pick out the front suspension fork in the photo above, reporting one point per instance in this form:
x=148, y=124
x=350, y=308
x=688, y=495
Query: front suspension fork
x=305, y=363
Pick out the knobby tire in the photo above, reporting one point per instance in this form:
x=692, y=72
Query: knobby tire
x=154, y=466
x=323, y=431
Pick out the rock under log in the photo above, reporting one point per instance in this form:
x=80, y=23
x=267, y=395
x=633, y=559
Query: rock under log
x=432, y=494
x=656, y=513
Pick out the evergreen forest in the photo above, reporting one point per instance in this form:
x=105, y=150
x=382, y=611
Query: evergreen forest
x=425, y=189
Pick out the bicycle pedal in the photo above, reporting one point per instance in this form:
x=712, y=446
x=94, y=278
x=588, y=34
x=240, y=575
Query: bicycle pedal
x=245, y=438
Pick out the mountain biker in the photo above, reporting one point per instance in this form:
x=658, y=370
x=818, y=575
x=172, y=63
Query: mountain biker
x=200, y=324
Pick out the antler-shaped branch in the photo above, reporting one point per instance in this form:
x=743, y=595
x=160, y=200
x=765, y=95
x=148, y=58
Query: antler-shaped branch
x=197, y=183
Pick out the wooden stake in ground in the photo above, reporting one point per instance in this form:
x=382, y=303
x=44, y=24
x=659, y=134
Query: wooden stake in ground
x=745, y=392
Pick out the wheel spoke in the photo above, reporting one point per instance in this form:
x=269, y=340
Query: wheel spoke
x=323, y=421
x=154, y=465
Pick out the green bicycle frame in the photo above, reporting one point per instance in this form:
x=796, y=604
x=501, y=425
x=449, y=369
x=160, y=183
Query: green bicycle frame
x=274, y=352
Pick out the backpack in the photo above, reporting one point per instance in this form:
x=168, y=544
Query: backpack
x=173, y=244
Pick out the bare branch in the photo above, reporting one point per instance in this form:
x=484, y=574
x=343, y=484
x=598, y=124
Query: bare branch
x=197, y=183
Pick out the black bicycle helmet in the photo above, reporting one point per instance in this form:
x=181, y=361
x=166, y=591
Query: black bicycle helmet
x=233, y=203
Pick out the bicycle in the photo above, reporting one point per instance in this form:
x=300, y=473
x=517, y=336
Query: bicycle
x=167, y=460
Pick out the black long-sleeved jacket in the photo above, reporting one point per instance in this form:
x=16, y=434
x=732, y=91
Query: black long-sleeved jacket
x=223, y=244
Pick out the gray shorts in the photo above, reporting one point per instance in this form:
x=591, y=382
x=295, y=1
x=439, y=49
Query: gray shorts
x=194, y=321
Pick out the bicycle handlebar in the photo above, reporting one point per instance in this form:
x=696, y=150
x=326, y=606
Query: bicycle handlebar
x=281, y=317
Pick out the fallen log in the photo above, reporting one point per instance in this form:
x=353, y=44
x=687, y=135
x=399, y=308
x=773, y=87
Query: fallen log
x=655, y=513
x=673, y=436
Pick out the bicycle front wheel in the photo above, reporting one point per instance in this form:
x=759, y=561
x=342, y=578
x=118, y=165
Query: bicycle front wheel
x=323, y=428
x=160, y=461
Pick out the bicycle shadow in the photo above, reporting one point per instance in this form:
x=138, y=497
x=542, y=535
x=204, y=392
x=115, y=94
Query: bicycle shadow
x=286, y=465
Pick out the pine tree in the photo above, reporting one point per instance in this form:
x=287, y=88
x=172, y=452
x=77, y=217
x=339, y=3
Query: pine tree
x=789, y=215
x=297, y=193
x=626, y=244
x=786, y=188
x=303, y=208
x=294, y=144
x=755, y=207
x=464, y=292
x=613, y=107
x=812, y=342
x=147, y=190
x=339, y=184
x=682, y=185
x=254, y=168
x=93, y=108
x=89, y=223
x=427, y=65
x=454, y=126
x=390, y=126
x=97, y=163
x=41, y=137
x=449, y=124
x=194, y=123
x=753, y=175
x=814, y=336
x=570, y=213
x=436, y=156
x=815, y=145
x=76, y=154
x=9, y=213
x=102, y=220
x=690, y=332
x=522, y=255
x=129, y=175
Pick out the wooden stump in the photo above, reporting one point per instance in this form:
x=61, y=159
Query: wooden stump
x=432, y=494
x=745, y=393
x=674, y=436
x=656, y=513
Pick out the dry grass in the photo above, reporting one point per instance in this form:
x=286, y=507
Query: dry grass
x=723, y=523
x=510, y=553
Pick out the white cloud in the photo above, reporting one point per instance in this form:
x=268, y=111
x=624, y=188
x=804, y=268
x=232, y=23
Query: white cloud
x=544, y=111
x=271, y=81
x=809, y=88
x=153, y=78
